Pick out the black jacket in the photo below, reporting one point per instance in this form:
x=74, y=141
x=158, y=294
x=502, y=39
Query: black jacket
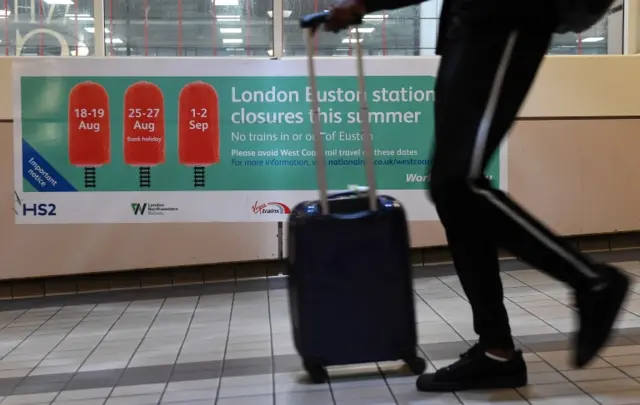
x=484, y=15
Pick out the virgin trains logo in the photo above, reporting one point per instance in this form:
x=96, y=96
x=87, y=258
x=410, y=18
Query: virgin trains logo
x=259, y=208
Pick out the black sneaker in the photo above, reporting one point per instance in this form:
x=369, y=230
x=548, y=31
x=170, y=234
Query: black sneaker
x=598, y=308
x=475, y=370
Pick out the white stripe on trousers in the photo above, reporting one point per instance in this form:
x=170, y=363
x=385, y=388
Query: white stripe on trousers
x=478, y=157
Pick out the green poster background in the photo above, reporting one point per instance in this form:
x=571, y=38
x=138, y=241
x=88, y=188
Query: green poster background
x=44, y=127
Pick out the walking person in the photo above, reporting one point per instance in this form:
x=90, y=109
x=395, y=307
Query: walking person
x=490, y=53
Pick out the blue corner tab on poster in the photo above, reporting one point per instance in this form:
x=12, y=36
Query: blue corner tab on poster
x=40, y=174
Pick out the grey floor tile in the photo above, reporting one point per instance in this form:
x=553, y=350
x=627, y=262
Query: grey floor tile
x=143, y=389
x=446, y=350
x=376, y=395
x=251, y=285
x=296, y=382
x=406, y=394
x=94, y=379
x=80, y=395
x=594, y=374
x=80, y=402
x=245, y=390
x=48, y=378
x=547, y=377
x=181, y=376
x=188, y=403
x=38, y=388
x=322, y=397
x=29, y=399
x=145, y=399
x=7, y=385
x=191, y=395
x=198, y=366
x=257, y=362
x=553, y=390
x=241, y=367
x=146, y=375
x=287, y=363
x=546, y=343
x=619, y=339
x=249, y=400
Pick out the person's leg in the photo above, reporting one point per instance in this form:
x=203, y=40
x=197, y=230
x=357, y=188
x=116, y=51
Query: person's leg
x=456, y=120
x=600, y=289
x=482, y=82
x=472, y=68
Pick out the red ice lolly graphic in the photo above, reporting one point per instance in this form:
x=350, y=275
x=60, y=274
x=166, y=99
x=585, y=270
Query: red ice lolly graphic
x=198, y=129
x=89, y=129
x=144, y=132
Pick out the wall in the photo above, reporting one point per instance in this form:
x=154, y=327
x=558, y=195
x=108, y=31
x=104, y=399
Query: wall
x=632, y=28
x=572, y=160
x=615, y=29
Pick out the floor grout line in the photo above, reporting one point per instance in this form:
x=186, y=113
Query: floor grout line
x=136, y=349
x=184, y=338
x=224, y=353
x=59, y=343
x=94, y=349
x=30, y=333
x=386, y=383
x=273, y=365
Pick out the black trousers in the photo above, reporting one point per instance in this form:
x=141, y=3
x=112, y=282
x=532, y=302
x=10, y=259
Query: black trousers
x=482, y=81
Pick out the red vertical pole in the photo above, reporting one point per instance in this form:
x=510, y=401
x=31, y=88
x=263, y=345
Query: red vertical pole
x=579, y=44
x=77, y=28
x=110, y=27
x=179, y=27
x=214, y=32
x=146, y=27
x=248, y=31
x=6, y=27
x=384, y=33
x=41, y=47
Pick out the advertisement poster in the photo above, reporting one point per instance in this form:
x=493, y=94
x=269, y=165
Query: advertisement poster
x=188, y=140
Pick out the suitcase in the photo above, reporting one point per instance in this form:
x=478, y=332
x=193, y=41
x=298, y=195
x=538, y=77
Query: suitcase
x=350, y=285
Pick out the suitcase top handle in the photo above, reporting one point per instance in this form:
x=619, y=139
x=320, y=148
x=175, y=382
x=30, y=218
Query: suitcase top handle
x=315, y=20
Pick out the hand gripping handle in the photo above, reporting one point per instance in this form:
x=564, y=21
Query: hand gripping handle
x=313, y=21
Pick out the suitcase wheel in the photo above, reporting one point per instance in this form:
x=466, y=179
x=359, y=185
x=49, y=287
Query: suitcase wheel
x=417, y=365
x=317, y=373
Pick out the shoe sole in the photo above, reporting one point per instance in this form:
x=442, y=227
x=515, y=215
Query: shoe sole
x=621, y=293
x=504, y=383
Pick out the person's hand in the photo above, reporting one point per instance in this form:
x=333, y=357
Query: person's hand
x=345, y=14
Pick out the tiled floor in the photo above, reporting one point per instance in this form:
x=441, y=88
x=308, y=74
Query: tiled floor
x=232, y=346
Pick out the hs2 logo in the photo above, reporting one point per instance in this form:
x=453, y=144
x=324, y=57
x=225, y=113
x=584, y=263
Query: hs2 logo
x=33, y=209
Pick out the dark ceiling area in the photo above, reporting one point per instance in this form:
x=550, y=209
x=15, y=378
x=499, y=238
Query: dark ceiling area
x=221, y=28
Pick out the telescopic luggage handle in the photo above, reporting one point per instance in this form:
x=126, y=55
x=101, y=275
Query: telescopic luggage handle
x=311, y=23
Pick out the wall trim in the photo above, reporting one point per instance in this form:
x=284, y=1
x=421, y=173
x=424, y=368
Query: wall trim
x=424, y=258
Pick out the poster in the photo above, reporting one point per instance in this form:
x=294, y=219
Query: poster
x=192, y=140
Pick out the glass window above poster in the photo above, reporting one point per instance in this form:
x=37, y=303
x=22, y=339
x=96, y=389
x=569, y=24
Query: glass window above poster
x=188, y=27
x=193, y=28
x=47, y=27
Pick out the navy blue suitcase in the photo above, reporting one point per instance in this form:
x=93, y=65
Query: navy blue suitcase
x=350, y=284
